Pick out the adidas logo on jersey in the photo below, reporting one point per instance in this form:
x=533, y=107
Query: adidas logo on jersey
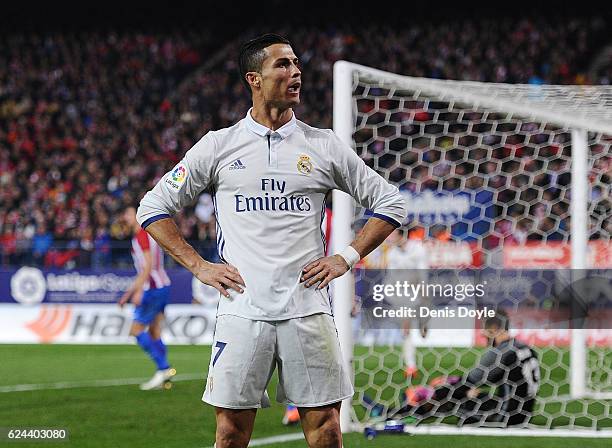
x=237, y=165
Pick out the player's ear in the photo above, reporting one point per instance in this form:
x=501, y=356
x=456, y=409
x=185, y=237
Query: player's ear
x=254, y=79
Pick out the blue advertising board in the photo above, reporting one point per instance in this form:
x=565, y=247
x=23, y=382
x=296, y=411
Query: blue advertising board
x=30, y=285
x=468, y=213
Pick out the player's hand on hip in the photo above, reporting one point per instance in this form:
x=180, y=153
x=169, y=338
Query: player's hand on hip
x=221, y=276
x=324, y=270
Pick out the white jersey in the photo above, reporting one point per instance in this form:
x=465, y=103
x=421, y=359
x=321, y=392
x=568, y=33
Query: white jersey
x=203, y=293
x=407, y=262
x=269, y=191
x=410, y=255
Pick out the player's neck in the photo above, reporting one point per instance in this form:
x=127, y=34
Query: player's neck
x=271, y=117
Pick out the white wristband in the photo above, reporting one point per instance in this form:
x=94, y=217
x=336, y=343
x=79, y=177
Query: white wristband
x=350, y=255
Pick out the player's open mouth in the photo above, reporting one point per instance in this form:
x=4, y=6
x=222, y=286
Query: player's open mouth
x=295, y=88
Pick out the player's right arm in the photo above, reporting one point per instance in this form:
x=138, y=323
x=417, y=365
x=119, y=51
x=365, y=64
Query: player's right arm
x=217, y=275
x=490, y=371
x=176, y=189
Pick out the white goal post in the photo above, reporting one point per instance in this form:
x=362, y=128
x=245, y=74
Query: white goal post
x=580, y=111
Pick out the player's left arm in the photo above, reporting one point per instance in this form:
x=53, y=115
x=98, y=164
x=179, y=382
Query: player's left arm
x=136, y=290
x=325, y=269
x=389, y=208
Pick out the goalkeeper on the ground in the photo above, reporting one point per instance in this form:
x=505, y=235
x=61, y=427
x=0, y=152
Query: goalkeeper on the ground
x=510, y=370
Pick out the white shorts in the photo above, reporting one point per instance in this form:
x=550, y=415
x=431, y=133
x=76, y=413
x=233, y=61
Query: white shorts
x=245, y=353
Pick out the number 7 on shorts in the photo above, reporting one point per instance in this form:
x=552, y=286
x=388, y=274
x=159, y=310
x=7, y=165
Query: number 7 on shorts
x=220, y=346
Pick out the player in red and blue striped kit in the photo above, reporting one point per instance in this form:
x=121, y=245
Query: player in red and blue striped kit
x=149, y=293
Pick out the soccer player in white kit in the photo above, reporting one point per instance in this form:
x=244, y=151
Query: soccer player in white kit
x=407, y=260
x=270, y=174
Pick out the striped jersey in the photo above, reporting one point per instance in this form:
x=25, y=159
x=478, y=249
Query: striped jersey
x=269, y=189
x=142, y=242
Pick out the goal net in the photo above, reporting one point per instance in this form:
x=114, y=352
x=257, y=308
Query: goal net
x=506, y=181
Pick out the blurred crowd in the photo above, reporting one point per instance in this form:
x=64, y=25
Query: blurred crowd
x=86, y=125
x=91, y=121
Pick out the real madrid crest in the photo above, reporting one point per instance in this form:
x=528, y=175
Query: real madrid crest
x=304, y=165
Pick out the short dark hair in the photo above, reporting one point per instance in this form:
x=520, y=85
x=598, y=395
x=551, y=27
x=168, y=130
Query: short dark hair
x=500, y=320
x=252, y=54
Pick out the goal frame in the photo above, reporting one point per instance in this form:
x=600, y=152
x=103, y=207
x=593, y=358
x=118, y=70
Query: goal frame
x=342, y=233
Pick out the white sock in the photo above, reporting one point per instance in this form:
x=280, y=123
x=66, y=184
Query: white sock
x=409, y=352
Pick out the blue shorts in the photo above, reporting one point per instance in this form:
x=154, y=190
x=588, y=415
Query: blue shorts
x=154, y=301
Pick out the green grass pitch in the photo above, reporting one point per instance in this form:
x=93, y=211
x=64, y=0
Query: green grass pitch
x=124, y=416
